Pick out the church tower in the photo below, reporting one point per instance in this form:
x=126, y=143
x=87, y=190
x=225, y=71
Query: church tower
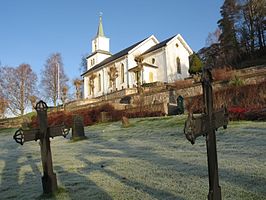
x=100, y=42
x=99, y=47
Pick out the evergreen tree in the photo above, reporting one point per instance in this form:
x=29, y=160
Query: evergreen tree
x=195, y=65
x=228, y=37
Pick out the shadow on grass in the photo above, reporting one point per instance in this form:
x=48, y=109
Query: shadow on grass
x=77, y=186
x=155, y=193
x=12, y=184
x=237, y=178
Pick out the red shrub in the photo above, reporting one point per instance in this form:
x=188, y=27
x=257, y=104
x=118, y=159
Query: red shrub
x=237, y=113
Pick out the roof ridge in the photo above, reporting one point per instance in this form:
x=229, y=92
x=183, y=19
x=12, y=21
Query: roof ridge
x=159, y=45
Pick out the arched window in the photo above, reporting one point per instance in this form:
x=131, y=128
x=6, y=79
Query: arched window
x=122, y=71
x=99, y=82
x=153, y=60
x=92, y=61
x=150, y=77
x=178, y=65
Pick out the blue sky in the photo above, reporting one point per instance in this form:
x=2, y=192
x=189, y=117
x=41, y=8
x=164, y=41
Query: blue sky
x=30, y=30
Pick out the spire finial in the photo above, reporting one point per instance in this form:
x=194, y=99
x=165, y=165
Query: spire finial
x=100, y=27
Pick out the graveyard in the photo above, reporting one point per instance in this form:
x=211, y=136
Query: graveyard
x=138, y=111
x=138, y=162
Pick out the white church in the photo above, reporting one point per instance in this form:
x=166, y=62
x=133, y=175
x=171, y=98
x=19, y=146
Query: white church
x=146, y=61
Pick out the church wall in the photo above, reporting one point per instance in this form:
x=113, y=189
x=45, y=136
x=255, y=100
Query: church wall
x=144, y=46
x=160, y=62
x=99, y=57
x=98, y=90
x=146, y=74
x=172, y=52
x=85, y=87
x=106, y=88
x=101, y=43
x=122, y=83
x=105, y=80
x=131, y=63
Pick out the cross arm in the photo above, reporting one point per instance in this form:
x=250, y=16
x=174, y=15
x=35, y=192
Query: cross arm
x=200, y=125
x=59, y=130
x=21, y=136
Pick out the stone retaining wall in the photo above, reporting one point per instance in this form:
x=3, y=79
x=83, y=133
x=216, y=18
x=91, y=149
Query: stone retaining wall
x=11, y=122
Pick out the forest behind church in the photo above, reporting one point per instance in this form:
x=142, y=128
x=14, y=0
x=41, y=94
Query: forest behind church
x=239, y=40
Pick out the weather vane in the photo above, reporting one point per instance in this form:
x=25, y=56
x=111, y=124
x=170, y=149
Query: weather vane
x=101, y=14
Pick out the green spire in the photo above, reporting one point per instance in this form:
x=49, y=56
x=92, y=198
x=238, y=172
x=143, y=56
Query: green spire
x=100, y=28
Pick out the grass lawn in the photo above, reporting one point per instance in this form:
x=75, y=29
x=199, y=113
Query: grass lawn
x=151, y=159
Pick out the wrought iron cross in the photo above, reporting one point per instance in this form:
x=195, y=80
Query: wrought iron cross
x=43, y=133
x=206, y=124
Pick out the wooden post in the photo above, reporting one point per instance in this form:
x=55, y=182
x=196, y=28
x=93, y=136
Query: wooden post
x=205, y=125
x=43, y=133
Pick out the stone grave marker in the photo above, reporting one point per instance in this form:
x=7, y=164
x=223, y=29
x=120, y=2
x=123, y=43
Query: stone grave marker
x=105, y=117
x=78, y=128
x=43, y=133
x=125, y=122
x=206, y=125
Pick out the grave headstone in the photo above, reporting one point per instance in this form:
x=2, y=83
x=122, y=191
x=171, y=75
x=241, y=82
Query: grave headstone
x=205, y=125
x=172, y=96
x=104, y=117
x=125, y=122
x=78, y=128
x=43, y=133
x=180, y=105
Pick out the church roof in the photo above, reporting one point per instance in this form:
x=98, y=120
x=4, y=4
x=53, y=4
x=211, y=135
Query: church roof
x=99, y=51
x=158, y=46
x=100, y=28
x=114, y=57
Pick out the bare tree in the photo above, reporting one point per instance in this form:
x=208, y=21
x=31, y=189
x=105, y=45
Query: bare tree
x=83, y=64
x=213, y=38
x=64, y=95
x=33, y=100
x=3, y=106
x=113, y=74
x=49, y=80
x=91, y=83
x=77, y=83
x=17, y=85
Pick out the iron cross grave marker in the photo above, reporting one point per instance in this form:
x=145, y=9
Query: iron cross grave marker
x=205, y=125
x=43, y=133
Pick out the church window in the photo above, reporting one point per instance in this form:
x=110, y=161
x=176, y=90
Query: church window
x=92, y=61
x=176, y=45
x=150, y=77
x=95, y=45
x=122, y=73
x=153, y=60
x=178, y=65
x=99, y=82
